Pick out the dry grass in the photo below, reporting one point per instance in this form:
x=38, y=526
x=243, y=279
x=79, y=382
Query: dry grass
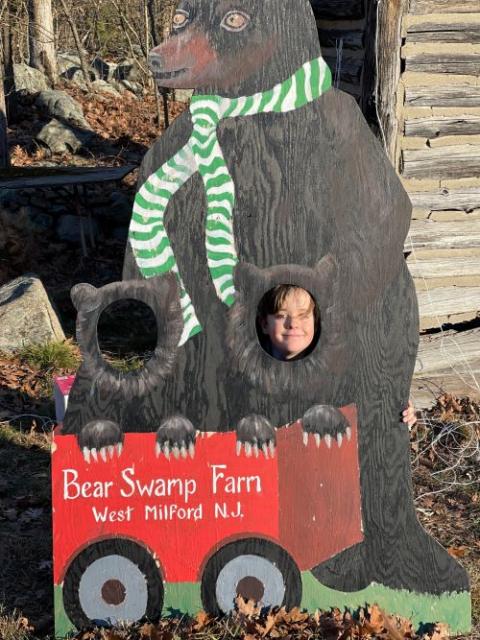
x=13, y=627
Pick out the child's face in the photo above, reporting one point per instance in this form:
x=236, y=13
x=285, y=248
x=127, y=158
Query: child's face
x=292, y=329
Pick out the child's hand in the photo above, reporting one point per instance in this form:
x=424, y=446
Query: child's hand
x=409, y=416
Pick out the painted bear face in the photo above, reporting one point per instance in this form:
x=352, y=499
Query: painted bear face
x=217, y=46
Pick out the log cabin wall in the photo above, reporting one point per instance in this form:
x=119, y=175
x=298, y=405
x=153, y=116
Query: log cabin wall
x=436, y=148
x=344, y=27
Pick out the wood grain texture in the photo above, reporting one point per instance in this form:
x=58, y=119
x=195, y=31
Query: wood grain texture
x=430, y=31
x=453, y=268
x=443, y=62
x=309, y=184
x=434, y=127
x=462, y=161
x=467, y=199
x=388, y=51
x=447, y=362
x=443, y=6
x=448, y=305
x=443, y=96
x=427, y=234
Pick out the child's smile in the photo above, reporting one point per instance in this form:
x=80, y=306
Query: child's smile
x=292, y=329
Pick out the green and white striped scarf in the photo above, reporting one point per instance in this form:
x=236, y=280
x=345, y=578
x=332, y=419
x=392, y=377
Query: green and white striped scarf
x=202, y=153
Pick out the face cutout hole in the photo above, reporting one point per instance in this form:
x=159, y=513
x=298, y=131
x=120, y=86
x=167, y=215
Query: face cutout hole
x=288, y=323
x=127, y=335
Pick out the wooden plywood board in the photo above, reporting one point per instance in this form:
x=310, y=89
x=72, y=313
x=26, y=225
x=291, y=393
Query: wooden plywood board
x=443, y=162
x=213, y=233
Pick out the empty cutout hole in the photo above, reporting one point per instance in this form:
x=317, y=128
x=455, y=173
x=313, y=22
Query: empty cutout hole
x=127, y=334
x=288, y=322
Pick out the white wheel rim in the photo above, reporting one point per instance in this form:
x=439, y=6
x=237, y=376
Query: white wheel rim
x=252, y=566
x=119, y=569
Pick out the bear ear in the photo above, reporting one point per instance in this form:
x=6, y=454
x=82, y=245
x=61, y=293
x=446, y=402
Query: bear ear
x=84, y=294
x=326, y=268
x=248, y=277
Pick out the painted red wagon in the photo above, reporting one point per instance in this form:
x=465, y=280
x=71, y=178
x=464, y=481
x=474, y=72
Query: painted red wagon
x=136, y=534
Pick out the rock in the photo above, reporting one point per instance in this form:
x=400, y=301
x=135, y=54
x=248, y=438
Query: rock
x=8, y=197
x=60, y=138
x=183, y=95
x=26, y=315
x=103, y=86
x=128, y=70
x=37, y=221
x=134, y=87
x=28, y=79
x=103, y=69
x=69, y=229
x=58, y=104
x=119, y=209
x=67, y=61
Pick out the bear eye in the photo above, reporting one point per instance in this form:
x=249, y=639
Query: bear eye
x=180, y=19
x=235, y=21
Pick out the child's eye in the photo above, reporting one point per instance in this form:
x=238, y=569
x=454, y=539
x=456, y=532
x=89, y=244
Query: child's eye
x=235, y=21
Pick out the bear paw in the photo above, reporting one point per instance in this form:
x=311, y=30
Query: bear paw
x=323, y=421
x=176, y=435
x=255, y=433
x=100, y=438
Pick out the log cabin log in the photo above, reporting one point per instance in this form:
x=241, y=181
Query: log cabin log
x=428, y=234
x=444, y=96
x=390, y=16
x=447, y=362
x=447, y=305
x=447, y=199
x=445, y=268
x=443, y=6
x=460, y=161
x=442, y=126
x=464, y=63
x=430, y=31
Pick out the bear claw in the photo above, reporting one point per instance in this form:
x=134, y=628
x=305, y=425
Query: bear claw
x=176, y=436
x=100, y=439
x=255, y=434
x=325, y=423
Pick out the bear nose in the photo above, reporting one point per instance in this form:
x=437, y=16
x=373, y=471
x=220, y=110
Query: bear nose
x=155, y=61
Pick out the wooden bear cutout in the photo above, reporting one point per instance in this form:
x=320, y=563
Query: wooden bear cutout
x=306, y=196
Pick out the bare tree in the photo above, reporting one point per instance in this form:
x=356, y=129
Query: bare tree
x=42, y=38
x=78, y=43
x=4, y=156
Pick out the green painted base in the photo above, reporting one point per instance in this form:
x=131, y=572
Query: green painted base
x=452, y=608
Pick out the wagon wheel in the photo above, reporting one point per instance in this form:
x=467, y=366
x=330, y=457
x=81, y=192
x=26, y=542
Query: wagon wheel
x=255, y=569
x=111, y=581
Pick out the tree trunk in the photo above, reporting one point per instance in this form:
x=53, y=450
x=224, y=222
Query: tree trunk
x=4, y=156
x=78, y=43
x=42, y=38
